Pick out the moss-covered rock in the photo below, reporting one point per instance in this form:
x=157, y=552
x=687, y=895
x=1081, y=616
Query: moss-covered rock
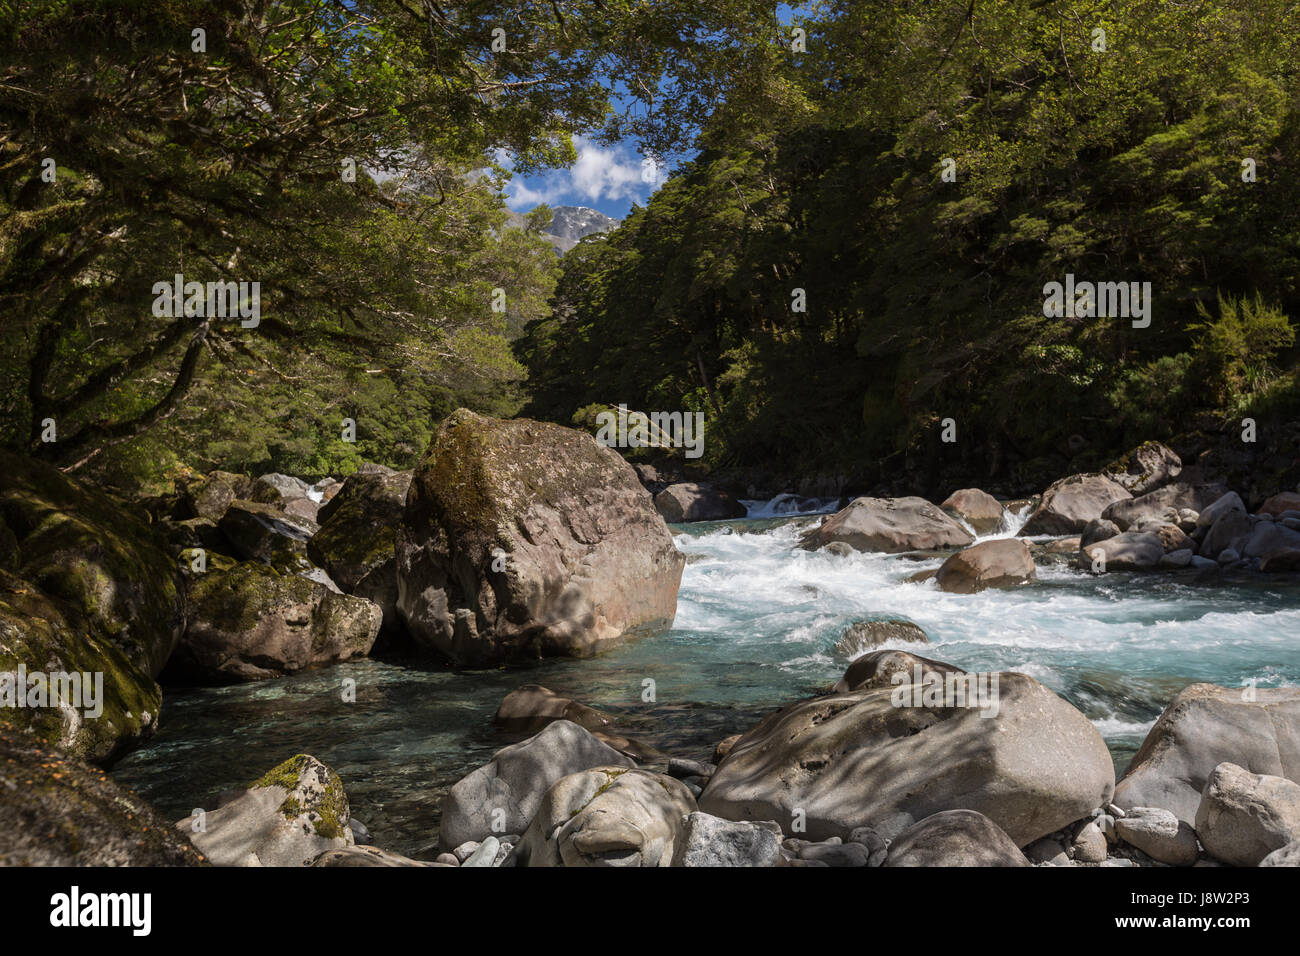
x=356, y=540
x=119, y=705
x=110, y=571
x=262, y=532
x=289, y=817
x=249, y=622
x=523, y=539
x=210, y=496
x=57, y=811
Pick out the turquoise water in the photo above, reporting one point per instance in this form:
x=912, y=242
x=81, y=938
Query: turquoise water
x=756, y=626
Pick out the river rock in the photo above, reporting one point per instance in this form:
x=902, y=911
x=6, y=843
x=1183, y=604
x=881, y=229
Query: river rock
x=977, y=508
x=1243, y=816
x=365, y=856
x=1145, y=468
x=529, y=708
x=608, y=816
x=356, y=543
x=1159, y=834
x=1070, y=503
x=1002, y=563
x=56, y=810
x=1269, y=536
x=862, y=636
x=690, y=501
x=1228, y=502
x=1202, y=727
x=251, y=622
x=106, y=569
x=1178, y=497
x=712, y=841
x=892, y=525
x=1280, y=504
x=262, y=532
x=277, y=489
x=1232, y=529
x=1288, y=855
x=288, y=818
x=101, y=721
x=888, y=668
x=1281, y=561
x=871, y=756
x=210, y=496
x=525, y=539
x=1130, y=551
x=1098, y=529
x=515, y=780
x=955, y=838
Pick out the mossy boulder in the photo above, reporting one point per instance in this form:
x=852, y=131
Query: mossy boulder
x=356, y=540
x=109, y=571
x=118, y=704
x=289, y=817
x=250, y=622
x=262, y=532
x=55, y=810
x=1145, y=468
x=523, y=539
x=210, y=496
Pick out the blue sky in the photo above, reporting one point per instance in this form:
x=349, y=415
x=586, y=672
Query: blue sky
x=608, y=178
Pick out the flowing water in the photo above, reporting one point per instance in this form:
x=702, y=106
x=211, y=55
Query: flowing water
x=757, y=621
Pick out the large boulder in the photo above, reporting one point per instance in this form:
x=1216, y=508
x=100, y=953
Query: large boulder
x=1202, y=727
x=608, y=816
x=502, y=796
x=210, y=496
x=289, y=817
x=1130, y=551
x=1244, y=816
x=892, y=525
x=263, y=532
x=1003, y=563
x=689, y=501
x=1070, y=503
x=1145, y=468
x=106, y=568
x=955, y=838
x=69, y=688
x=356, y=541
x=1280, y=504
x=56, y=810
x=897, y=749
x=1269, y=536
x=251, y=622
x=1161, y=503
x=1232, y=529
x=977, y=508
x=278, y=489
x=524, y=539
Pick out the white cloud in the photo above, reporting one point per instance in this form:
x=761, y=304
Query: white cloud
x=598, y=174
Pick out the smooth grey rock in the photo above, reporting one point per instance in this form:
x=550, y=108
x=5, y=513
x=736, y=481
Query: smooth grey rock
x=1243, y=816
x=1160, y=835
x=955, y=838
x=891, y=525
x=515, y=780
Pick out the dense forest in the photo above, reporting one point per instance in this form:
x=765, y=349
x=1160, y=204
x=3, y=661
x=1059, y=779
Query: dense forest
x=862, y=255
x=854, y=255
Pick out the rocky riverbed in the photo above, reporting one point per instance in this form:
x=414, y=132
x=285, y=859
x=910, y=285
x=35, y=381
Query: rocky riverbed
x=508, y=657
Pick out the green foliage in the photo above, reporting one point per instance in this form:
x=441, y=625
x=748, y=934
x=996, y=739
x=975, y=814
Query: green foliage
x=1237, y=348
